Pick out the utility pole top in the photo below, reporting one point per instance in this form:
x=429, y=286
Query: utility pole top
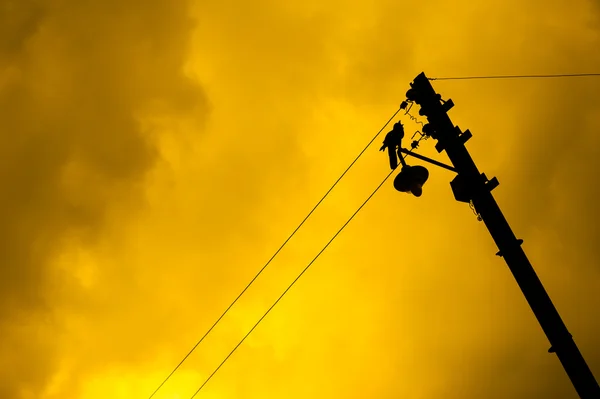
x=475, y=188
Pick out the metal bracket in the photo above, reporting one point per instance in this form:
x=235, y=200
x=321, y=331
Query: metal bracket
x=552, y=350
x=465, y=191
x=465, y=136
x=519, y=242
x=492, y=184
x=447, y=105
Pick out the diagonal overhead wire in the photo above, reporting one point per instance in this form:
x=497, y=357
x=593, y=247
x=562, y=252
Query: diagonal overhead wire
x=568, y=75
x=290, y=286
x=272, y=257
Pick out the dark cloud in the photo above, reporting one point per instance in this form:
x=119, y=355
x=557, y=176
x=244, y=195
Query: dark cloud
x=76, y=80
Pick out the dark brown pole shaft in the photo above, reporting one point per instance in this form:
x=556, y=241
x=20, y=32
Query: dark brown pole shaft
x=471, y=185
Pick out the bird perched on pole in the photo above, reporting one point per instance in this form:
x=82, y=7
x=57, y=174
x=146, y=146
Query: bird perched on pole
x=411, y=178
x=393, y=143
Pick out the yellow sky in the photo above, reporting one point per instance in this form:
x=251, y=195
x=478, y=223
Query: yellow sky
x=156, y=153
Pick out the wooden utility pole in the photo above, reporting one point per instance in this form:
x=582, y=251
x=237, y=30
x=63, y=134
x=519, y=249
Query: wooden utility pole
x=473, y=187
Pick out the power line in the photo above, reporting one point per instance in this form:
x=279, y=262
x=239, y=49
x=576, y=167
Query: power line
x=291, y=285
x=272, y=257
x=517, y=76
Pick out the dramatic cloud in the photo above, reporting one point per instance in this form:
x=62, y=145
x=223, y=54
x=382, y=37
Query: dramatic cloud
x=76, y=79
x=132, y=216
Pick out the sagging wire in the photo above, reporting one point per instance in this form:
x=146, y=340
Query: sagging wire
x=272, y=257
x=291, y=285
x=563, y=75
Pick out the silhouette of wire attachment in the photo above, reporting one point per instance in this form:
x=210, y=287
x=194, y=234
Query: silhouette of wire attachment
x=408, y=105
x=472, y=206
x=415, y=143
